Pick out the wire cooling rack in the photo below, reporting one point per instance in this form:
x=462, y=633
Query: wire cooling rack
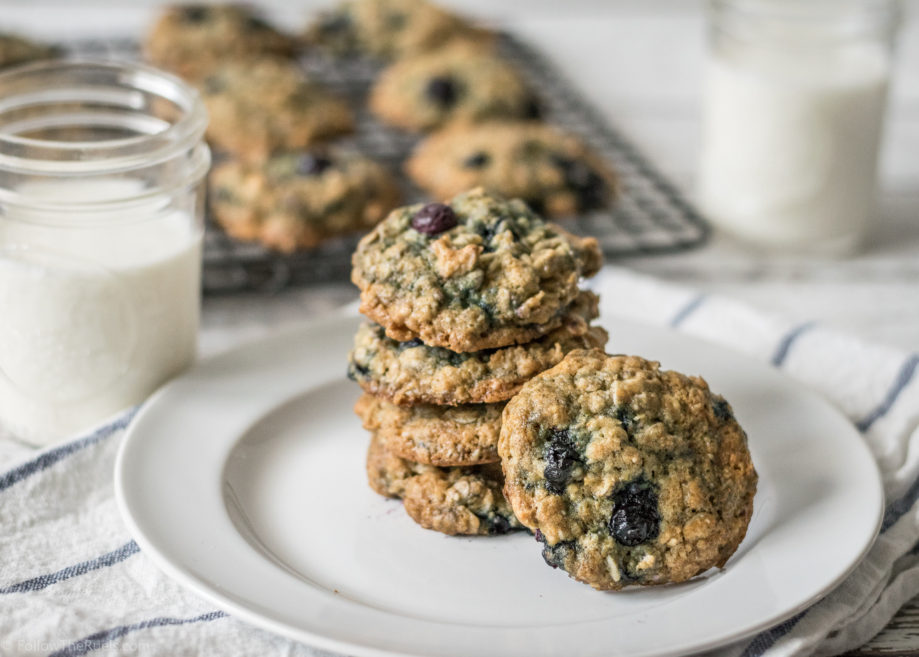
x=651, y=215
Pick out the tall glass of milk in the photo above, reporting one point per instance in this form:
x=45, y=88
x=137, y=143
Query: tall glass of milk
x=792, y=119
x=101, y=222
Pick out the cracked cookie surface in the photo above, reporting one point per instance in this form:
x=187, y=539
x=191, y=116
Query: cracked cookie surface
x=414, y=373
x=298, y=199
x=259, y=106
x=435, y=435
x=554, y=172
x=628, y=474
x=448, y=500
x=478, y=273
x=459, y=82
x=193, y=40
x=390, y=29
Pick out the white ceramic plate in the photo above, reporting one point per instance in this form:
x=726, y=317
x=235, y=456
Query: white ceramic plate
x=244, y=480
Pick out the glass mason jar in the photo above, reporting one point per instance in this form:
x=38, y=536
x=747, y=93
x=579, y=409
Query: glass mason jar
x=792, y=119
x=101, y=223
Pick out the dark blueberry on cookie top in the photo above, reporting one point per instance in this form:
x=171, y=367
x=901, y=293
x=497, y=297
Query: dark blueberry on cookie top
x=635, y=518
x=410, y=344
x=335, y=23
x=581, y=178
x=434, y=218
x=195, y=13
x=561, y=456
x=257, y=24
x=477, y=160
x=533, y=109
x=442, y=91
x=556, y=555
x=310, y=164
x=626, y=419
x=721, y=409
x=497, y=525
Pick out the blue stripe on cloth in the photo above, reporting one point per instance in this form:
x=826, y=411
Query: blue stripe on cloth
x=687, y=310
x=893, y=512
x=903, y=378
x=767, y=639
x=784, y=346
x=104, y=561
x=49, y=458
x=99, y=639
x=897, y=508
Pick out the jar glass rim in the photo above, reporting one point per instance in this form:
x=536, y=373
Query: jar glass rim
x=842, y=18
x=75, y=80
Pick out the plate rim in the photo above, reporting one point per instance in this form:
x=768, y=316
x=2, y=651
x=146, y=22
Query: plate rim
x=239, y=610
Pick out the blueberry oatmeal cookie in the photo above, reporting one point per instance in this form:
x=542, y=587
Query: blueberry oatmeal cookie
x=413, y=373
x=459, y=82
x=478, y=273
x=263, y=105
x=555, y=173
x=192, y=40
x=297, y=199
x=448, y=500
x=18, y=50
x=628, y=474
x=390, y=29
x=434, y=435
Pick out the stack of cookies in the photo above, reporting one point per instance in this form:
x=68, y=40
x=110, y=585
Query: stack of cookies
x=468, y=301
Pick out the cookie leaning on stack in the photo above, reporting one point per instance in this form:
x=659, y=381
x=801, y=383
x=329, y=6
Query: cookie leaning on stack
x=627, y=474
x=469, y=300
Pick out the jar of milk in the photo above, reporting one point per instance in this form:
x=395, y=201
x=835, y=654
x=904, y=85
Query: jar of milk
x=792, y=119
x=101, y=221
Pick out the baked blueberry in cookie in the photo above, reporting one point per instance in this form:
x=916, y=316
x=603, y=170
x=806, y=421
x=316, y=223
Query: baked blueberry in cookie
x=459, y=82
x=554, y=172
x=627, y=473
x=297, y=199
x=487, y=273
x=193, y=40
x=390, y=29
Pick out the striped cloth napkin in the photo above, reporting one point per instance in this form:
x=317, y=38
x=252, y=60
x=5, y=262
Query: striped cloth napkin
x=72, y=582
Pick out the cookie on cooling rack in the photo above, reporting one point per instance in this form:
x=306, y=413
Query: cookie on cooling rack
x=414, y=373
x=18, y=50
x=259, y=106
x=434, y=435
x=390, y=29
x=478, y=272
x=459, y=82
x=628, y=474
x=448, y=500
x=192, y=40
x=297, y=199
x=554, y=172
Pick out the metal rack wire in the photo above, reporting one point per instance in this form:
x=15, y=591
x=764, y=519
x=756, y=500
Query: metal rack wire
x=650, y=217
